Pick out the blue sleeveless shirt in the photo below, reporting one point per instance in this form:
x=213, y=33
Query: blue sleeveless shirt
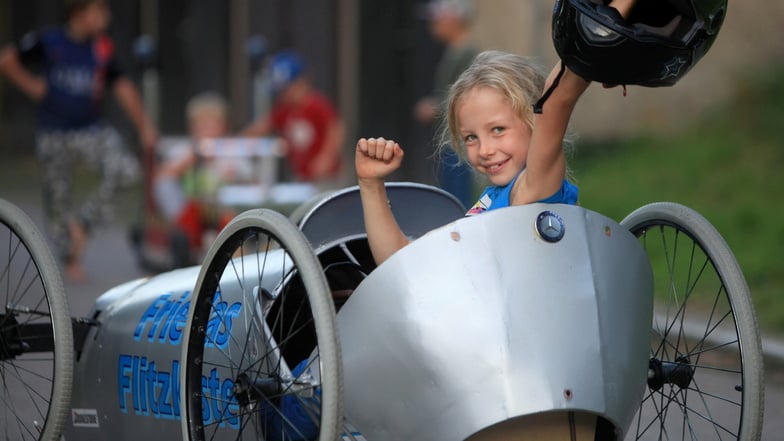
x=495, y=197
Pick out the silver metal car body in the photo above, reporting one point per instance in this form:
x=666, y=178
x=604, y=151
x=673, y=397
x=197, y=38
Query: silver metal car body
x=128, y=373
x=483, y=320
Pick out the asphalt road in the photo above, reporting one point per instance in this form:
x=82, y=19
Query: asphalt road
x=109, y=262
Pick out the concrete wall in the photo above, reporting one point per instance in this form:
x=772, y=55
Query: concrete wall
x=750, y=40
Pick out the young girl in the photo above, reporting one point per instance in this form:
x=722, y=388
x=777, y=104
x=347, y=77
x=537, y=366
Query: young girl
x=492, y=125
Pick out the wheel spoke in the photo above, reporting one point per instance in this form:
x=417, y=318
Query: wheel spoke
x=267, y=269
x=36, y=348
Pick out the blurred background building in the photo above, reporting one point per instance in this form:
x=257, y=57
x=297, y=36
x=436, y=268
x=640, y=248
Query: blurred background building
x=374, y=58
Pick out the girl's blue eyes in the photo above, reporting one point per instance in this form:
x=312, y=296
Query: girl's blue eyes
x=495, y=130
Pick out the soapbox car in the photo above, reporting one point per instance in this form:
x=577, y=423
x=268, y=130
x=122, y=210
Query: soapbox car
x=526, y=322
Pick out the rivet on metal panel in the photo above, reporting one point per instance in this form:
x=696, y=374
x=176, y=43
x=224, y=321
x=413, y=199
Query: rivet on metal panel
x=568, y=394
x=455, y=236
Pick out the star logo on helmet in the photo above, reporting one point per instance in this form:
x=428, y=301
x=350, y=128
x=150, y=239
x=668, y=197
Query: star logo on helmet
x=672, y=69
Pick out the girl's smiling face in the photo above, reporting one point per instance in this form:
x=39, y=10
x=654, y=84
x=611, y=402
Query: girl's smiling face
x=496, y=138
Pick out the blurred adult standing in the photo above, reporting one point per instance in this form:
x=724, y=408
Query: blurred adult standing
x=450, y=24
x=77, y=67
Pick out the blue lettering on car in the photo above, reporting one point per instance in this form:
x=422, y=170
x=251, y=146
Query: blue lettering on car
x=146, y=387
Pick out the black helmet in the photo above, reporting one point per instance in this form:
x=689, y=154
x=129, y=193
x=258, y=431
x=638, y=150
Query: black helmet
x=655, y=46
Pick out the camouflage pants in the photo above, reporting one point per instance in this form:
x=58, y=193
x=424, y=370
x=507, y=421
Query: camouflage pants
x=59, y=152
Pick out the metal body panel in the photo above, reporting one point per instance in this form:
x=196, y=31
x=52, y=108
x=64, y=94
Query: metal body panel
x=127, y=376
x=482, y=320
x=111, y=399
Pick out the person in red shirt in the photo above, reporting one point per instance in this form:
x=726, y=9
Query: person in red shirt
x=305, y=119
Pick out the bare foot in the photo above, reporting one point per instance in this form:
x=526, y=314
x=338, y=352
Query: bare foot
x=74, y=270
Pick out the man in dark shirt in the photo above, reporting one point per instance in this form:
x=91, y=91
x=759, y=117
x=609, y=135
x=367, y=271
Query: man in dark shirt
x=78, y=66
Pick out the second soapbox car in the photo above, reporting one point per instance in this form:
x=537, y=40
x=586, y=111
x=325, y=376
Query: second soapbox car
x=221, y=177
x=531, y=320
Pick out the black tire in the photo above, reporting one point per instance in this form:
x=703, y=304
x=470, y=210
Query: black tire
x=36, y=335
x=706, y=372
x=262, y=262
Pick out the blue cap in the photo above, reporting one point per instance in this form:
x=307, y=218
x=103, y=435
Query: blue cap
x=284, y=67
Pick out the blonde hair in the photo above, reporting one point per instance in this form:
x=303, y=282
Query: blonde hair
x=204, y=102
x=519, y=79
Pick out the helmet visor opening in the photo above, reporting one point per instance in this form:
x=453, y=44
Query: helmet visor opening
x=669, y=19
x=656, y=13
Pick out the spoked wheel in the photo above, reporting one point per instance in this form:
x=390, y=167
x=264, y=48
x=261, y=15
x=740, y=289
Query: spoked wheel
x=261, y=356
x=36, y=338
x=705, y=374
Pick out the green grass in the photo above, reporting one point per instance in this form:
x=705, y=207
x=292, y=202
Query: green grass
x=727, y=165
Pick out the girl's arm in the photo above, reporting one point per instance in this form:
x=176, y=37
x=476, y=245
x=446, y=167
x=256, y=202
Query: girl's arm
x=375, y=159
x=624, y=7
x=546, y=162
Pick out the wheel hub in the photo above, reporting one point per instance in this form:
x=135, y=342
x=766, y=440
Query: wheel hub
x=248, y=391
x=11, y=344
x=679, y=372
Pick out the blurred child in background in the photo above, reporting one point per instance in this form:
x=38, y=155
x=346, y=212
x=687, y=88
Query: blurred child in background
x=78, y=67
x=305, y=119
x=175, y=180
